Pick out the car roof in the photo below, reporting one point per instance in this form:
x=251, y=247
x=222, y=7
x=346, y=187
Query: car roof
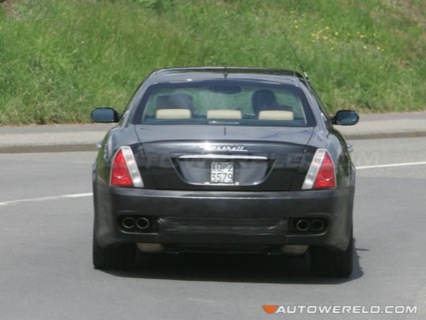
x=221, y=73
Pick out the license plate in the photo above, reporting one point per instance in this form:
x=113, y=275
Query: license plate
x=222, y=172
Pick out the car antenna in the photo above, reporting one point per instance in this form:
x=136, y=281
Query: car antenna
x=305, y=74
x=225, y=72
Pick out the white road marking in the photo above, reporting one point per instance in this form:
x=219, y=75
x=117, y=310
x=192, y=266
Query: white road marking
x=392, y=165
x=81, y=195
x=64, y=196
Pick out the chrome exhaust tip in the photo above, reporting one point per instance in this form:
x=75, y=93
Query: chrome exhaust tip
x=317, y=225
x=143, y=223
x=128, y=223
x=302, y=225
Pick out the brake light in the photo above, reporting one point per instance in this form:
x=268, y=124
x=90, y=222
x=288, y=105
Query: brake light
x=124, y=170
x=321, y=173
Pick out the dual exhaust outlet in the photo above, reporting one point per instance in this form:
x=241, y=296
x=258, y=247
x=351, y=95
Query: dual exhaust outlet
x=139, y=223
x=304, y=225
x=310, y=225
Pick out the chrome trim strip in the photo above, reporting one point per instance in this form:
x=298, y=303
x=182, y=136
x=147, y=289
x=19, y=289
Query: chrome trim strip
x=222, y=157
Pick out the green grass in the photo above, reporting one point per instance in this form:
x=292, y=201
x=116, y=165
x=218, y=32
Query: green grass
x=60, y=59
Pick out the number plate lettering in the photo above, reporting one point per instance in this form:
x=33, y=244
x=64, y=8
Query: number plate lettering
x=222, y=172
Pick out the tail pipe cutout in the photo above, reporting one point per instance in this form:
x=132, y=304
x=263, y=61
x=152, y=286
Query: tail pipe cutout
x=137, y=224
x=309, y=225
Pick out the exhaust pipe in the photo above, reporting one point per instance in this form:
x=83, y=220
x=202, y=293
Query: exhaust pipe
x=143, y=223
x=150, y=247
x=128, y=223
x=302, y=225
x=294, y=250
x=317, y=225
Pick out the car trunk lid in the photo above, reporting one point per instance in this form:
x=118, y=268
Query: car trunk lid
x=222, y=157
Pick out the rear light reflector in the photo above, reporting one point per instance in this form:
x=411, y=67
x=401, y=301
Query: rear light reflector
x=124, y=170
x=321, y=173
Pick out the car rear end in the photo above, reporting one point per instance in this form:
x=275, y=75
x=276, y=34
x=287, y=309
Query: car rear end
x=214, y=170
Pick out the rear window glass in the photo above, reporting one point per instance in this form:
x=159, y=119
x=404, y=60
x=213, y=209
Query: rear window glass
x=225, y=102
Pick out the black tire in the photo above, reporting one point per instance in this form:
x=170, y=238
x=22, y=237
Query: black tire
x=329, y=263
x=113, y=257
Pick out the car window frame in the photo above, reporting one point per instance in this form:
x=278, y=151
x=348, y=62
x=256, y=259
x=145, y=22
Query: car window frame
x=140, y=107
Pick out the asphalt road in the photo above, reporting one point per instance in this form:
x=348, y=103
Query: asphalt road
x=45, y=250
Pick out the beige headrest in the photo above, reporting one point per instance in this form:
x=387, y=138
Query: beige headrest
x=173, y=114
x=276, y=115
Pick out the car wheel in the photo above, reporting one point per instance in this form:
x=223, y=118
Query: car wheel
x=112, y=257
x=329, y=263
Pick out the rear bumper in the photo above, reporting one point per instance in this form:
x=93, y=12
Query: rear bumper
x=223, y=219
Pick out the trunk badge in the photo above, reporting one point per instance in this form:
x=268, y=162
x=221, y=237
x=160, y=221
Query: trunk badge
x=233, y=148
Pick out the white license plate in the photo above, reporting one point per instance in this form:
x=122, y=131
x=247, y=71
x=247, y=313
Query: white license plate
x=222, y=172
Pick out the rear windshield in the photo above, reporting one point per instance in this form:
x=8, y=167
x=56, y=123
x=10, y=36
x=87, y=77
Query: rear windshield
x=225, y=103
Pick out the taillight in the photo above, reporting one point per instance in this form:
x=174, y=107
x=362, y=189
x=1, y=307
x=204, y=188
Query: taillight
x=124, y=170
x=321, y=173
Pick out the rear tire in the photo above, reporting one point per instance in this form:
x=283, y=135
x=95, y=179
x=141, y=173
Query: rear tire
x=113, y=257
x=329, y=263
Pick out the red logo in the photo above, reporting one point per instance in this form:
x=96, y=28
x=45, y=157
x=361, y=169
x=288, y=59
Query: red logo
x=270, y=308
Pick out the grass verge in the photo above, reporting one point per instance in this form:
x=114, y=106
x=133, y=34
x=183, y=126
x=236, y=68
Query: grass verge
x=59, y=59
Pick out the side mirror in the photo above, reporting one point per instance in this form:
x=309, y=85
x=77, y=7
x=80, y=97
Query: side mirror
x=105, y=115
x=345, y=118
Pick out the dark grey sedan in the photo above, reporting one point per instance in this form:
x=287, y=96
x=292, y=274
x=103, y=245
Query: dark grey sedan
x=224, y=160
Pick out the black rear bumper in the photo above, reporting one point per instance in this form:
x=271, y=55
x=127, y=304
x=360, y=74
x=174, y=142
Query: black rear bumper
x=223, y=219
